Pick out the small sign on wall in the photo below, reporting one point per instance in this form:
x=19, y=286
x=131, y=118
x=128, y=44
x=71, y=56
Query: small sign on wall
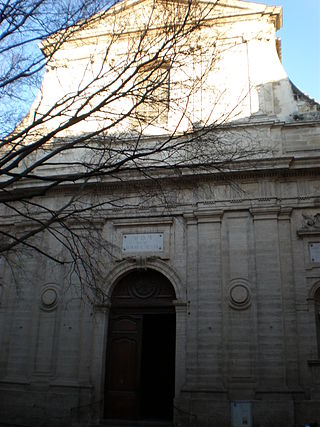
x=142, y=242
x=241, y=414
x=314, y=252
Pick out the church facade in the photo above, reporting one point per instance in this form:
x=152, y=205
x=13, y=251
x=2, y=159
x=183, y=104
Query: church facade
x=210, y=284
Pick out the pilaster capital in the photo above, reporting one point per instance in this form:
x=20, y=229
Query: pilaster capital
x=180, y=305
x=102, y=308
x=209, y=215
x=265, y=213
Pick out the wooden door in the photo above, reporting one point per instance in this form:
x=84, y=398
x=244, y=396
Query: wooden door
x=123, y=367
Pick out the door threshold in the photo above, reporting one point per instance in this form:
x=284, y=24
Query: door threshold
x=135, y=423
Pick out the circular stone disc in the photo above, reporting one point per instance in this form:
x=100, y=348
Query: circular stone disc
x=49, y=297
x=239, y=294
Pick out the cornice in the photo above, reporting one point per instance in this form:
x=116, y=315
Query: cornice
x=280, y=168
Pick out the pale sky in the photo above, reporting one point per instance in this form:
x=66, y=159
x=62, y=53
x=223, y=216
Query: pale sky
x=300, y=37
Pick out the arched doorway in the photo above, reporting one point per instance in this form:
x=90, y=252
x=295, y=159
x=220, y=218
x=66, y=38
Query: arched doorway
x=140, y=362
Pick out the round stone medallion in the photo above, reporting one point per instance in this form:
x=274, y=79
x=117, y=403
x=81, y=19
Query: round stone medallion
x=49, y=298
x=239, y=295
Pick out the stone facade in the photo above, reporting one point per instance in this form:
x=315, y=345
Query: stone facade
x=241, y=250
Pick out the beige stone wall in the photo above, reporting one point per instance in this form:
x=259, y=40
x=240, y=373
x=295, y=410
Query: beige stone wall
x=241, y=268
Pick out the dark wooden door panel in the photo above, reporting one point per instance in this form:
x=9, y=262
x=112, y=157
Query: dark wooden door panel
x=124, y=353
x=123, y=367
x=122, y=406
x=124, y=323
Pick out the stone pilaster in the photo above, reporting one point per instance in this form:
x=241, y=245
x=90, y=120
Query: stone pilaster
x=271, y=334
x=98, y=358
x=209, y=301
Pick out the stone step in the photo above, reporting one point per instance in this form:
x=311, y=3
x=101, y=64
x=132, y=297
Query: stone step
x=134, y=423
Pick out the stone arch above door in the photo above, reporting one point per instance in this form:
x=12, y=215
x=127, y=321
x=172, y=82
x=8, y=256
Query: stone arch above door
x=143, y=288
x=127, y=266
x=314, y=298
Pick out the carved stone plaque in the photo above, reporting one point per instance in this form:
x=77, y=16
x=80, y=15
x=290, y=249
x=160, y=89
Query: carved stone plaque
x=314, y=251
x=142, y=242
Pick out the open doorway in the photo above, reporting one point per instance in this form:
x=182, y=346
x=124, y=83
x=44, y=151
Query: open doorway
x=157, y=366
x=140, y=364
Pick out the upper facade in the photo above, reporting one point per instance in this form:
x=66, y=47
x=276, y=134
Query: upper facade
x=157, y=67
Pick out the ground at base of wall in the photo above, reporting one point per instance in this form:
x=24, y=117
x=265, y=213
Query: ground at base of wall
x=198, y=412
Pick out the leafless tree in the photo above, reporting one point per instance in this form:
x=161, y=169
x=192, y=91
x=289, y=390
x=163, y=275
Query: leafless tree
x=126, y=117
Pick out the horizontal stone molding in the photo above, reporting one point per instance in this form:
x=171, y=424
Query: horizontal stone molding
x=142, y=222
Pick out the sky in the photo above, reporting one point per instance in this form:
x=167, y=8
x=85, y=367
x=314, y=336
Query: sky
x=300, y=35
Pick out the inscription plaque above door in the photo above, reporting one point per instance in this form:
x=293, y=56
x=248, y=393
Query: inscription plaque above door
x=142, y=242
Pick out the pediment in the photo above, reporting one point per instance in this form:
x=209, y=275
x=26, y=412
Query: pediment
x=129, y=16
x=139, y=13
x=235, y=7
x=217, y=8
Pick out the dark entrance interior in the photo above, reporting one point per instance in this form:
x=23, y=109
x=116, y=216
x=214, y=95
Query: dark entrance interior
x=157, y=366
x=141, y=349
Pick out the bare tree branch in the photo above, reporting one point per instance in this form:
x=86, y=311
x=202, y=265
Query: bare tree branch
x=129, y=109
